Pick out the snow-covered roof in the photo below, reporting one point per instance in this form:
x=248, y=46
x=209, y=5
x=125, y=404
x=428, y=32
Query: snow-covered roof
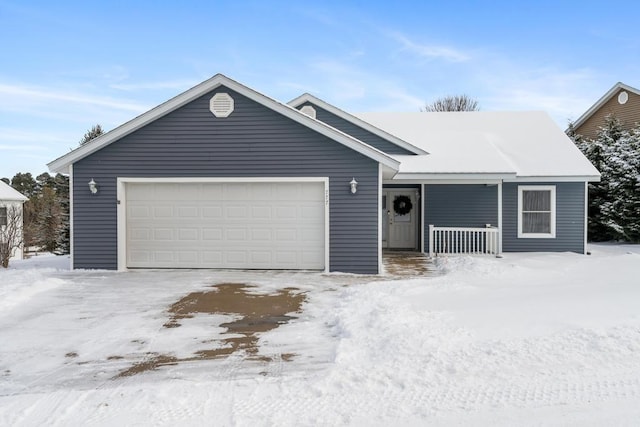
x=9, y=193
x=519, y=144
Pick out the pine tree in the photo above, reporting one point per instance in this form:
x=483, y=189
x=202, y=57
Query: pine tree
x=92, y=133
x=63, y=245
x=48, y=220
x=614, y=202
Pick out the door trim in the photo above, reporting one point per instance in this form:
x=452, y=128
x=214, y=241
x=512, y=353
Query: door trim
x=122, y=204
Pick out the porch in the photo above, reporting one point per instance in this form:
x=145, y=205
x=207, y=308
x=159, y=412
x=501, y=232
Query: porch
x=407, y=264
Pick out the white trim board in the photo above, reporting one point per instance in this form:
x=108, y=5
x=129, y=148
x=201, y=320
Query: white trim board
x=553, y=213
x=122, y=208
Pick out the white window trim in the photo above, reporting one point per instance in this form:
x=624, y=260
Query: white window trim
x=552, y=189
x=4, y=215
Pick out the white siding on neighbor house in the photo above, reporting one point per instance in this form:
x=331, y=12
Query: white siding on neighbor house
x=19, y=253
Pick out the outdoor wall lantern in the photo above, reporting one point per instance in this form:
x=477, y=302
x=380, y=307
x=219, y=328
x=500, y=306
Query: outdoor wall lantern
x=93, y=187
x=354, y=186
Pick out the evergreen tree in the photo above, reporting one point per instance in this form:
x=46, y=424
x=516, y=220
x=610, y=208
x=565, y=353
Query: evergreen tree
x=48, y=220
x=63, y=245
x=25, y=184
x=92, y=133
x=614, y=202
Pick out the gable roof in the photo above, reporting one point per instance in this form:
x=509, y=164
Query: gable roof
x=62, y=164
x=513, y=145
x=606, y=97
x=306, y=97
x=9, y=193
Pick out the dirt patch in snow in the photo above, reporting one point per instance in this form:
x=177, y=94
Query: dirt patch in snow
x=257, y=313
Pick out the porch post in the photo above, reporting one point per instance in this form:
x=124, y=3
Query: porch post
x=379, y=219
x=430, y=240
x=499, y=251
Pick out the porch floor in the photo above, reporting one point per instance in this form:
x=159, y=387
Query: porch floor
x=407, y=264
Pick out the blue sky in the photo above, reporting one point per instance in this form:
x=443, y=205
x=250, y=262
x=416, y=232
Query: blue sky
x=67, y=65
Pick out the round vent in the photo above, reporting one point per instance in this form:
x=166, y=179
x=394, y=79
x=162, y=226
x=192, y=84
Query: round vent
x=623, y=98
x=309, y=111
x=221, y=105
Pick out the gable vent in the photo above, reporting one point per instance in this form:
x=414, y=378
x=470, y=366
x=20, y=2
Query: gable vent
x=221, y=105
x=623, y=98
x=309, y=111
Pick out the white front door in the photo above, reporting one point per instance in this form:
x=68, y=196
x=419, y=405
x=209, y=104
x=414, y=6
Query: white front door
x=400, y=219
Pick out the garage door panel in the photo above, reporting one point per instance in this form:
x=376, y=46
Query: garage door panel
x=261, y=212
x=212, y=212
x=163, y=212
x=189, y=234
x=226, y=225
x=236, y=212
x=212, y=234
x=261, y=234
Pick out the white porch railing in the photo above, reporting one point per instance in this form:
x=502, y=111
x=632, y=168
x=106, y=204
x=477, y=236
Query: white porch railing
x=464, y=240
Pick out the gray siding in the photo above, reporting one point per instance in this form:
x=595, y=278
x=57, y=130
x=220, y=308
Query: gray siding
x=473, y=205
x=253, y=141
x=569, y=220
x=356, y=131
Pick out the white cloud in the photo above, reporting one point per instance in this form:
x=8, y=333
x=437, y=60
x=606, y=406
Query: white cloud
x=430, y=51
x=563, y=93
x=10, y=94
x=178, y=85
x=12, y=135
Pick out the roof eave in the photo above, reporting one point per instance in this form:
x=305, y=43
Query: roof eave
x=556, y=178
x=446, y=176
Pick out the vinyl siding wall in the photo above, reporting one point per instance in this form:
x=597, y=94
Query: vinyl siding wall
x=253, y=141
x=628, y=113
x=569, y=220
x=473, y=205
x=356, y=131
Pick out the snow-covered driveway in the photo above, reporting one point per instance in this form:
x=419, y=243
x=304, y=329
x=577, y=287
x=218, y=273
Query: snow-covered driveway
x=525, y=340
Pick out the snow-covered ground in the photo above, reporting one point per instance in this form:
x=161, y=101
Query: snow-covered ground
x=529, y=339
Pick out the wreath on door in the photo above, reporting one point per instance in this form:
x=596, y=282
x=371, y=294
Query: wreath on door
x=402, y=205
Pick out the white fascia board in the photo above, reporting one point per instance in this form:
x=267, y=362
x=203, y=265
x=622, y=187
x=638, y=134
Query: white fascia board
x=62, y=163
x=479, y=177
x=306, y=97
x=600, y=102
x=445, y=181
x=549, y=178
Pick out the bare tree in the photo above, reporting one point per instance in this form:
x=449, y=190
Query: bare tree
x=453, y=103
x=10, y=232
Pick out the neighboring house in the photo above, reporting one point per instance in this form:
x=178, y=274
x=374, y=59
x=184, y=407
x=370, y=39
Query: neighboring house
x=11, y=202
x=222, y=176
x=621, y=101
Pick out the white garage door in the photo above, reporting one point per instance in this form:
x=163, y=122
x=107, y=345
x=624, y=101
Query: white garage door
x=258, y=225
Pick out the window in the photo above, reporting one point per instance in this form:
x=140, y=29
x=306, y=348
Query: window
x=537, y=211
x=3, y=216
